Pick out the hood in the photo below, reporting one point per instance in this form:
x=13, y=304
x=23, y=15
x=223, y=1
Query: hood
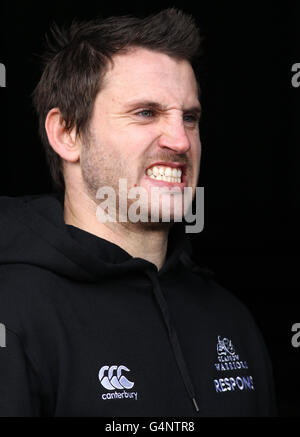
x=33, y=232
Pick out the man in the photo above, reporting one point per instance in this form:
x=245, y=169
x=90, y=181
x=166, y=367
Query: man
x=110, y=317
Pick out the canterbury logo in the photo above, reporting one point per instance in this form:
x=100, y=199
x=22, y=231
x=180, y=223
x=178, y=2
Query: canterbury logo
x=111, y=377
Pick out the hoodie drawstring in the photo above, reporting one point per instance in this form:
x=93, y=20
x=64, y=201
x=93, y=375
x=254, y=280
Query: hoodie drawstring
x=173, y=337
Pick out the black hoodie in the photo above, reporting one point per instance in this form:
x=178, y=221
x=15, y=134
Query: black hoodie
x=88, y=330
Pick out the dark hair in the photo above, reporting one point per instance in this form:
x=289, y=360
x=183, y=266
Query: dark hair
x=77, y=59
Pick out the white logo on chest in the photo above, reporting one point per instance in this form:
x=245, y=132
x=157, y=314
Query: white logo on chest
x=111, y=378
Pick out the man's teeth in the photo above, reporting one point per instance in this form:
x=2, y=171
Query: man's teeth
x=167, y=174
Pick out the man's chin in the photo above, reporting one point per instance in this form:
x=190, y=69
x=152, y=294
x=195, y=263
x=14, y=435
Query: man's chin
x=162, y=217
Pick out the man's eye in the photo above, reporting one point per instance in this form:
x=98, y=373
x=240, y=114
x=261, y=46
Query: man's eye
x=146, y=113
x=191, y=118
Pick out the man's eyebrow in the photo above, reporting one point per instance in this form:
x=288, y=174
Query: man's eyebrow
x=158, y=106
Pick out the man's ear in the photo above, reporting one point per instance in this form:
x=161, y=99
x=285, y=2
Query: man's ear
x=62, y=141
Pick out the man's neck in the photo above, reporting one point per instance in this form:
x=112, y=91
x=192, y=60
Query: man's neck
x=139, y=240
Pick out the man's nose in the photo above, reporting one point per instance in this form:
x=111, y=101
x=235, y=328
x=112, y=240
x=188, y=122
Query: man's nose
x=174, y=137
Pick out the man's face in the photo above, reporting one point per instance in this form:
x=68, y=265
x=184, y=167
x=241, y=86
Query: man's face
x=144, y=127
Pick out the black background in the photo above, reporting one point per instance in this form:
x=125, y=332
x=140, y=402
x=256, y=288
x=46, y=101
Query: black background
x=250, y=143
